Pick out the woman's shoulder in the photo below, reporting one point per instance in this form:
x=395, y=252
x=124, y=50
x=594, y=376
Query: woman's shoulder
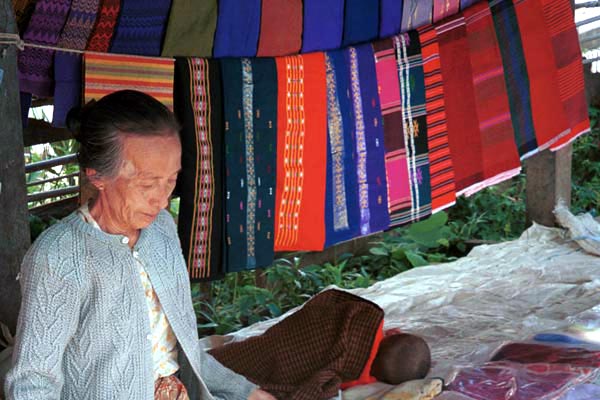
x=165, y=223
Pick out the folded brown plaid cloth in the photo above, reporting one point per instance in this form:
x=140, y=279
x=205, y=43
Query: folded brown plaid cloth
x=309, y=354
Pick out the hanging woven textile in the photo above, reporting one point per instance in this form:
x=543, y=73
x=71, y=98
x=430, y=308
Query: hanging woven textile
x=191, y=28
x=301, y=153
x=399, y=199
x=140, y=27
x=416, y=13
x=549, y=119
x=323, y=25
x=198, y=104
x=342, y=215
x=499, y=154
x=35, y=65
x=559, y=21
x=464, y=136
x=280, y=28
x=361, y=21
x=105, y=26
x=390, y=17
x=238, y=24
x=368, y=140
x=444, y=8
x=250, y=114
x=414, y=126
x=107, y=73
x=67, y=66
x=443, y=192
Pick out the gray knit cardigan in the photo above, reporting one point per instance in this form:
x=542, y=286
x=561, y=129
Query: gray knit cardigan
x=83, y=329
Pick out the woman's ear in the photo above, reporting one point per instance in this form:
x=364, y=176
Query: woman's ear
x=92, y=176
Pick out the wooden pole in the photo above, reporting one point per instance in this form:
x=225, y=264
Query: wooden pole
x=14, y=217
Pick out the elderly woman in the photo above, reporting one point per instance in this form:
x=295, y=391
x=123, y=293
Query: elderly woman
x=106, y=310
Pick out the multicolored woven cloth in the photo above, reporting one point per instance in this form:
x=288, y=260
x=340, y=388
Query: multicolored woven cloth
x=368, y=140
x=199, y=105
x=301, y=153
x=444, y=8
x=250, y=112
x=107, y=73
x=309, y=354
x=104, y=28
x=342, y=216
x=36, y=72
x=441, y=170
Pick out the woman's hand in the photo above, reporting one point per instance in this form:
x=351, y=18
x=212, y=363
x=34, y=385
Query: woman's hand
x=259, y=394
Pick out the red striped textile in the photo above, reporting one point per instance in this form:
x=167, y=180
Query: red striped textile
x=105, y=26
x=107, y=73
x=301, y=153
x=500, y=157
x=443, y=193
x=549, y=118
x=464, y=136
x=559, y=21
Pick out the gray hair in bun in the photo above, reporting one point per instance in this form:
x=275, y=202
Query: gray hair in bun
x=99, y=127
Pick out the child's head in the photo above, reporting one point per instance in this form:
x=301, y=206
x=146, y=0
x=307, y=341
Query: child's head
x=400, y=358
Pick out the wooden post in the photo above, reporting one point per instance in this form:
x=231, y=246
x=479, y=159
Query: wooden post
x=14, y=217
x=548, y=176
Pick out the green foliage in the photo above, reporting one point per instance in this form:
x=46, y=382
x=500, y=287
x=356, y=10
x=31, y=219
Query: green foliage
x=236, y=302
x=586, y=170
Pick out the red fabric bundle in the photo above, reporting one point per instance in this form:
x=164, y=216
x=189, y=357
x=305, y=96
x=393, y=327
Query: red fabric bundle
x=280, y=28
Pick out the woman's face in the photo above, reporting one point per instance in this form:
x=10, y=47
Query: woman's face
x=145, y=181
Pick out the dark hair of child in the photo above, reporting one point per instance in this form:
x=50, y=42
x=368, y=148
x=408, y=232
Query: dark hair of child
x=400, y=358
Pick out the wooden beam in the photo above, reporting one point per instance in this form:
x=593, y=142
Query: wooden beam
x=548, y=176
x=38, y=132
x=14, y=218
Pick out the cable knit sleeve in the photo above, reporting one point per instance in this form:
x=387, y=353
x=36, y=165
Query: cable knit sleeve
x=222, y=382
x=48, y=318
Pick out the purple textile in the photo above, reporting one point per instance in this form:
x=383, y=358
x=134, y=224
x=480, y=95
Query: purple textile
x=67, y=92
x=323, y=25
x=238, y=24
x=585, y=391
x=35, y=65
x=141, y=27
x=79, y=25
x=361, y=21
x=416, y=13
x=391, y=18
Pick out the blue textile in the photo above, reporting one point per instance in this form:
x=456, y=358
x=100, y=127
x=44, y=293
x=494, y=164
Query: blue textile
x=67, y=90
x=391, y=18
x=238, y=24
x=140, y=27
x=361, y=21
x=342, y=216
x=378, y=212
x=323, y=25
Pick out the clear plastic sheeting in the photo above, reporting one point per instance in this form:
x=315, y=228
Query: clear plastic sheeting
x=505, y=292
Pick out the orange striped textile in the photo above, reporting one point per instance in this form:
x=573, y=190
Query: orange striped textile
x=301, y=153
x=107, y=73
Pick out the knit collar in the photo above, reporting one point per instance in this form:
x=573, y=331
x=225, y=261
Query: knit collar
x=78, y=223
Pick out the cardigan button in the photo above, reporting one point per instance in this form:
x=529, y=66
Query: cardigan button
x=149, y=336
x=125, y=240
x=136, y=254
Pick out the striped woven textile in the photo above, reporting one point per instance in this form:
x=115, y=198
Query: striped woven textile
x=301, y=153
x=559, y=21
x=107, y=73
x=441, y=170
x=414, y=127
x=199, y=107
x=104, y=28
x=500, y=158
